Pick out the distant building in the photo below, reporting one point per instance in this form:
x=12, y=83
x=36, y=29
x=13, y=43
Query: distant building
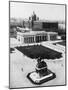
x=41, y=25
x=45, y=25
x=61, y=26
x=34, y=17
x=36, y=36
x=13, y=32
x=35, y=23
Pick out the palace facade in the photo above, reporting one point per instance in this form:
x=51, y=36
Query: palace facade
x=36, y=36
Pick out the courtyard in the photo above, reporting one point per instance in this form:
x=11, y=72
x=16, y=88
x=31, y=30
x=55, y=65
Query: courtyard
x=21, y=65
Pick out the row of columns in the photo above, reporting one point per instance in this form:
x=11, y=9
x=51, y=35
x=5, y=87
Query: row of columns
x=41, y=38
x=29, y=39
x=38, y=38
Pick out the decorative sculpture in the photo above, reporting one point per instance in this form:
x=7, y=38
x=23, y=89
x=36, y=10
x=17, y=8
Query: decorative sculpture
x=42, y=73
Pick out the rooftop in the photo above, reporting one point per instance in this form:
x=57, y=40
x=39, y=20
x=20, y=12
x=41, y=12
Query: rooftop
x=35, y=33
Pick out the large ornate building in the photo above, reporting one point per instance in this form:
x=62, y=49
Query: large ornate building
x=35, y=36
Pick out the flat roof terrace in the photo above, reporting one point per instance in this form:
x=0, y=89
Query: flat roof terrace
x=34, y=33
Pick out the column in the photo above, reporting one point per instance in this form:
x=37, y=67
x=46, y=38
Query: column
x=48, y=37
x=34, y=38
x=41, y=38
x=38, y=38
x=30, y=39
x=44, y=38
x=27, y=39
x=24, y=40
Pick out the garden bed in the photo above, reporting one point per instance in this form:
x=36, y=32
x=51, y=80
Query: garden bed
x=39, y=51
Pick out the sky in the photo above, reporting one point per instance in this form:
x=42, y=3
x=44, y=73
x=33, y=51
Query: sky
x=43, y=11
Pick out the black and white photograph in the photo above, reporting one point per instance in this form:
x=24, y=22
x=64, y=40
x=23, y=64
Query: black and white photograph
x=37, y=44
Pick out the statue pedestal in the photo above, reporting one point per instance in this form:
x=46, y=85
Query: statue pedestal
x=35, y=78
x=41, y=75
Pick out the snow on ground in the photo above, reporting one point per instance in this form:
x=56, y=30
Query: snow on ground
x=21, y=65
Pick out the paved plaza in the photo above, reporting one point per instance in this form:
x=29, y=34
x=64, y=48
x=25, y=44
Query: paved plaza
x=21, y=65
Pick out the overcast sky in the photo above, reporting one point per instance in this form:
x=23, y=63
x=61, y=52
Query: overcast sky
x=43, y=11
